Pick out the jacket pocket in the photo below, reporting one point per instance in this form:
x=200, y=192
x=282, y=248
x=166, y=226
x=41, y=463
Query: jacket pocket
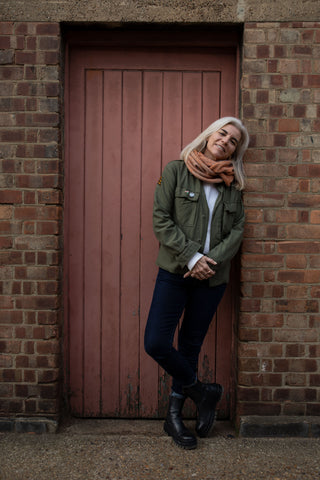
x=229, y=212
x=186, y=205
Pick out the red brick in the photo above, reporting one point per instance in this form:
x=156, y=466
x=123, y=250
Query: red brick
x=22, y=361
x=297, y=81
x=277, y=80
x=297, y=291
x=295, y=379
x=21, y=390
x=29, y=376
x=273, y=66
x=261, y=320
x=47, y=318
x=10, y=196
x=48, y=406
x=248, y=394
x=5, y=332
x=265, y=260
x=281, y=365
x=313, y=81
x=7, y=28
x=6, y=361
x=315, y=380
x=303, y=231
x=289, y=125
x=303, y=201
x=249, y=364
x=24, y=58
x=259, y=408
x=295, y=350
x=277, y=110
x=303, y=365
x=280, y=51
x=280, y=140
x=249, y=334
x=313, y=409
x=48, y=376
x=285, y=216
x=10, y=258
x=38, y=213
x=296, y=261
x=21, y=28
x=304, y=170
x=299, y=111
x=37, y=303
x=266, y=335
x=297, y=276
x=262, y=96
x=6, y=243
x=292, y=246
x=6, y=391
x=51, y=43
x=48, y=29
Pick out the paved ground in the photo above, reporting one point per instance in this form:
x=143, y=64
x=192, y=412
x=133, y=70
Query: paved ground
x=138, y=450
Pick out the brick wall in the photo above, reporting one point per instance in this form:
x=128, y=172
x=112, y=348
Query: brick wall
x=279, y=331
x=30, y=218
x=278, y=354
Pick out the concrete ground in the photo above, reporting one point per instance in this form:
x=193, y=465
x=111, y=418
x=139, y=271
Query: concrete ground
x=138, y=450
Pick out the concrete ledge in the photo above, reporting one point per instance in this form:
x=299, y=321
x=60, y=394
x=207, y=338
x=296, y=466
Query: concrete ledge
x=28, y=425
x=258, y=426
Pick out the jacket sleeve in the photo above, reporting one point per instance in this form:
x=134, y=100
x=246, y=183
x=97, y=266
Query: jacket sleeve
x=166, y=230
x=228, y=247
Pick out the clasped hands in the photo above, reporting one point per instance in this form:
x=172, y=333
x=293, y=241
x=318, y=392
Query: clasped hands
x=202, y=270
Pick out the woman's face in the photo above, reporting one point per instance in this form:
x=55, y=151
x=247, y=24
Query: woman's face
x=223, y=143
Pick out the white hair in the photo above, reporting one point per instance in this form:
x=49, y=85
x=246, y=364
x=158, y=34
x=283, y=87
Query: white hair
x=200, y=142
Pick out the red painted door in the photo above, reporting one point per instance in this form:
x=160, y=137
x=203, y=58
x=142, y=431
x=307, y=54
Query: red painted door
x=129, y=111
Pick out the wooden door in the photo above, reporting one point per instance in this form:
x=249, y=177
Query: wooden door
x=129, y=111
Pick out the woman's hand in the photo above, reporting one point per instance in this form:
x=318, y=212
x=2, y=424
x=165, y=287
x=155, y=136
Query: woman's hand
x=201, y=270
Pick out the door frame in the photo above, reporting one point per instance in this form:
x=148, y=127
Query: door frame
x=146, y=36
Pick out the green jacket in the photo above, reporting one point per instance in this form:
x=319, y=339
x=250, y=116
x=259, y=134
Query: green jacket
x=180, y=220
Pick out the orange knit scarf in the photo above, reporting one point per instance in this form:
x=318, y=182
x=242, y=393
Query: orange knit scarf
x=209, y=170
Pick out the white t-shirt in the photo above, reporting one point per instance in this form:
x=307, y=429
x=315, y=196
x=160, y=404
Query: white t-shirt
x=212, y=193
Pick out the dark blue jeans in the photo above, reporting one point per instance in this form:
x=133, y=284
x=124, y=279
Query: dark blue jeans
x=172, y=295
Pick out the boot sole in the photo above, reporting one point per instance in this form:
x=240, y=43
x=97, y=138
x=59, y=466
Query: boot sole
x=185, y=446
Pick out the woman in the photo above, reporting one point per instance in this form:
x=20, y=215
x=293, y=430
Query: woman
x=198, y=218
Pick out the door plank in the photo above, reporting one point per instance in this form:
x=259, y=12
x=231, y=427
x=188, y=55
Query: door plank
x=171, y=147
x=191, y=106
x=130, y=244
x=151, y=171
x=172, y=120
x=74, y=251
x=111, y=242
x=211, y=100
x=92, y=243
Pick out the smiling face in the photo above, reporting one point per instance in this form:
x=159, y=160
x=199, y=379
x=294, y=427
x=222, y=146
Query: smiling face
x=222, y=144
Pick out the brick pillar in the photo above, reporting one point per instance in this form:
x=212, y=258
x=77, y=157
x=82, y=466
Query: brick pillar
x=279, y=332
x=30, y=218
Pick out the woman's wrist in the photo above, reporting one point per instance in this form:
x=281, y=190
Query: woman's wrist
x=193, y=260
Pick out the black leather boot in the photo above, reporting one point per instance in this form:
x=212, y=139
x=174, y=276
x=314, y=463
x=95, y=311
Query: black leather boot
x=175, y=427
x=205, y=396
